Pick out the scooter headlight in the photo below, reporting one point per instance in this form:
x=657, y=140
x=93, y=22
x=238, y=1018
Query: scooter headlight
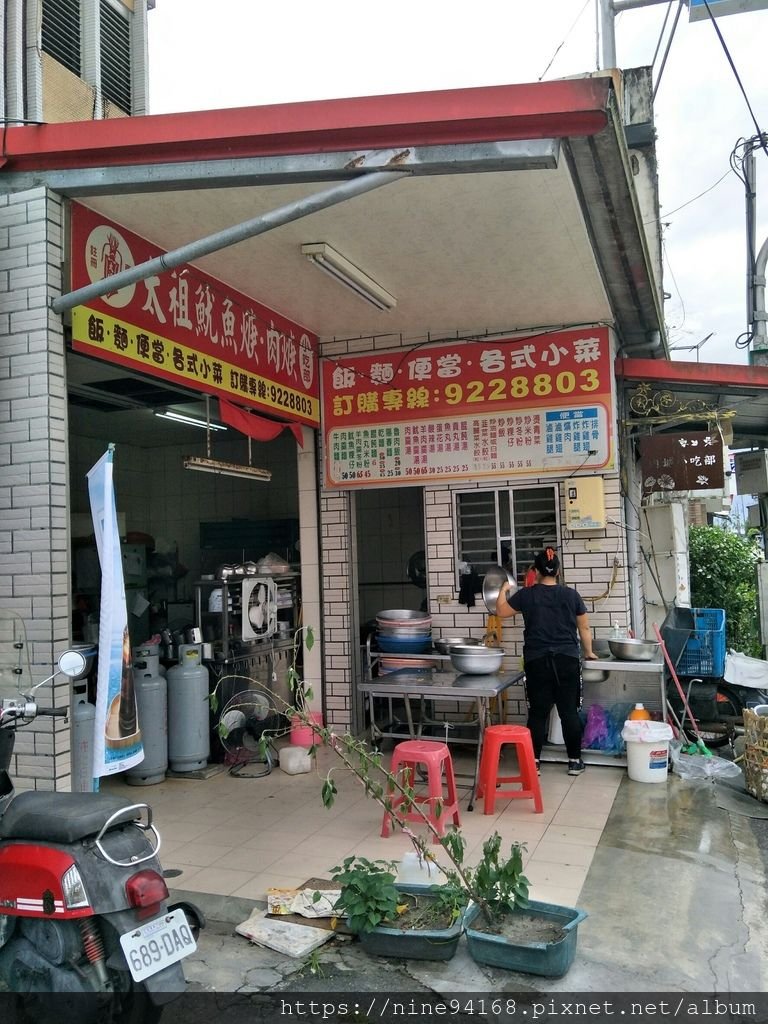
x=74, y=891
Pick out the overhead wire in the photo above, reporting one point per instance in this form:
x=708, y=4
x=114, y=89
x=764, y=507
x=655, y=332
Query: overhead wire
x=565, y=40
x=666, y=51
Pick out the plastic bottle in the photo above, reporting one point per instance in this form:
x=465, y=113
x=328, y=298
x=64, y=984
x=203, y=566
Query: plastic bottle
x=618, y=633
x=415, y=871
x=639, y=713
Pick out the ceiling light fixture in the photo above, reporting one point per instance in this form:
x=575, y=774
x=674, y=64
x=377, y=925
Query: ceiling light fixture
x=192, y=421
x=339, y=267
x=226, y=468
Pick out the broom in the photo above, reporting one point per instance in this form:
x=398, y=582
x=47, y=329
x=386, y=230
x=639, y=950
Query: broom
x=699, y=746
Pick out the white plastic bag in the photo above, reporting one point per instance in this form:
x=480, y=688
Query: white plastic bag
x=699, y=766
x=741, y=670
x=645, y=730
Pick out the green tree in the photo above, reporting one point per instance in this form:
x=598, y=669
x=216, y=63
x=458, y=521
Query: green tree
x=723, y=575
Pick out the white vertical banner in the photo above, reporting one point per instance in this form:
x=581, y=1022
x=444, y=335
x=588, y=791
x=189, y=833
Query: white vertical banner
x=117, y=736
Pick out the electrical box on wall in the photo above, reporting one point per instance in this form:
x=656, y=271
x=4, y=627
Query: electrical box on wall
x=585, y=503
x=751, y=472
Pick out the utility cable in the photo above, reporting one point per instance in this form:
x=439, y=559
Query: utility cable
x=666, y=51
x=565, y=40
x=736, y=74
x=693, y=200
x=661, y=34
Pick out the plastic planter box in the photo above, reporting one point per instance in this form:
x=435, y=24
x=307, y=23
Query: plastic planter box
x=417, y=944
x=550, y=959
x=704, y=652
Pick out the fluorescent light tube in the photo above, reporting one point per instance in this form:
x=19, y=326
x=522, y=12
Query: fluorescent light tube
x=339, y=267
x=235, y=469
x=191, y=421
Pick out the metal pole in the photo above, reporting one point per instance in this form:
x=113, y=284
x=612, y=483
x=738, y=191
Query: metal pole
x=607, y=33
x=229, y=236
x=748, y=167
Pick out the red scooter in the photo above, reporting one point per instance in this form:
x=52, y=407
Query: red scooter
x=83, y=900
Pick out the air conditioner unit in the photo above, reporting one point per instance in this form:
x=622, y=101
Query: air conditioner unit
x=751, y=472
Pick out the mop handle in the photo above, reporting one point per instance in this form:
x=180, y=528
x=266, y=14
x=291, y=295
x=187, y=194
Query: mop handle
x=672, y=672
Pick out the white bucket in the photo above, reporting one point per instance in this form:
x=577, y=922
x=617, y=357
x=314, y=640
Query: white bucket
x=648, y=762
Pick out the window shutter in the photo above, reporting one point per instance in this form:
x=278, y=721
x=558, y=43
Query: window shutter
x=61, y=32
x=115, y=57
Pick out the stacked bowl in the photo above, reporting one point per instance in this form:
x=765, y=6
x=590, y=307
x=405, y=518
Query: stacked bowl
x=403, y=631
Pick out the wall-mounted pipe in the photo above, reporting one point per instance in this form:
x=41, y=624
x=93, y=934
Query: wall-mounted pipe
x=14, y=60
x=33, y=59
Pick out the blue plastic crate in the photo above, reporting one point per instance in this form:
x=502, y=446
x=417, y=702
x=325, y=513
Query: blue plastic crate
x=704, y=653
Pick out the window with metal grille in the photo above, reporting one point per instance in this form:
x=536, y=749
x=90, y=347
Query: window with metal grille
x=60, y=30
x=115, y=56
x=506, y=527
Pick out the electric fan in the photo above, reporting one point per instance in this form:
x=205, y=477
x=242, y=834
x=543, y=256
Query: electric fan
x=259, y=608
x=246, y=718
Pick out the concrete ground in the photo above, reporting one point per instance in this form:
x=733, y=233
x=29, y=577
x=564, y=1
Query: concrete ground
x=676, y=897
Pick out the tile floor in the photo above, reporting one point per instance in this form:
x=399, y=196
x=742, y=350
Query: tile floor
x=241, y=836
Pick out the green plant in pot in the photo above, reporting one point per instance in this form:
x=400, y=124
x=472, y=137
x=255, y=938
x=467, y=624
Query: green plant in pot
x=417, y=922
x=506, y=929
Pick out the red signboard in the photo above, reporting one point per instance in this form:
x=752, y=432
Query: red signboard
x=502, y=407
x=189, y=328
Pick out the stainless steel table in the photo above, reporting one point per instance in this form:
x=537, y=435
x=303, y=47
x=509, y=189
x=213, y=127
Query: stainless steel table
x=431, y=684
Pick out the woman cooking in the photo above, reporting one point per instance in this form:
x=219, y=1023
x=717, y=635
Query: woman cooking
x=554, y=621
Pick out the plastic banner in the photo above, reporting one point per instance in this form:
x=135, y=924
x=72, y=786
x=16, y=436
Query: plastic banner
x=117, y=737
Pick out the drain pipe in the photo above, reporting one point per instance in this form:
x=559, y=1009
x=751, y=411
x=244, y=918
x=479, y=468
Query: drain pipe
x=33, y=64
x=14, y=60
x=230, y=236
x=759, y=316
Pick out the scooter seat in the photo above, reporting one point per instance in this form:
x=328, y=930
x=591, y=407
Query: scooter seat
x=61, y=817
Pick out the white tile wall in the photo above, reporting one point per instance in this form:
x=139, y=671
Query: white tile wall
x=33, y=458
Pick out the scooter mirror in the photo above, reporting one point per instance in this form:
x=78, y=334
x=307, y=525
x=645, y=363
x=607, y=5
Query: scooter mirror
x=72, y=664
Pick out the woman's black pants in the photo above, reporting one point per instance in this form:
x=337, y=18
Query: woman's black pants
x=554, y=679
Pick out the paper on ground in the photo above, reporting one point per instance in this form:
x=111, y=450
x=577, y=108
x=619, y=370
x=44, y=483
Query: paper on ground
x=302, y=901
x=294, y=940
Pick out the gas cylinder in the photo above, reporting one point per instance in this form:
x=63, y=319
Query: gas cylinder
x=83, y=718
x=189, y=737
x=152, y=704
x=146, y=652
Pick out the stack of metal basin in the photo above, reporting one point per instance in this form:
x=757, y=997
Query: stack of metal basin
x=403, y=631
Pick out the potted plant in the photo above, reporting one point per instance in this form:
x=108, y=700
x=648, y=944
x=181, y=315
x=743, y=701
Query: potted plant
x=506, y=929
x=418, y=922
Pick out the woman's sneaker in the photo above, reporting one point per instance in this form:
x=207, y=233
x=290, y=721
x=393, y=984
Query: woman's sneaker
x=576, y=767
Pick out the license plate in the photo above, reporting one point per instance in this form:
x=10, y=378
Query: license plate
x=157, y=944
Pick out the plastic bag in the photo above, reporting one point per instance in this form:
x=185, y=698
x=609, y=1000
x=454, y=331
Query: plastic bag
x=646, y=731
x=617, y=715
x=741, y=670
x=698, y=767
x=596, y=729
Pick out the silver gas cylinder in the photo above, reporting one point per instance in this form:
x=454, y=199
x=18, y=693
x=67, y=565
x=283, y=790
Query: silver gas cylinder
x=189, y=737
x=152, y=705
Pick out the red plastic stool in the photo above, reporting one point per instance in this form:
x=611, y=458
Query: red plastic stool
x=494, y=738
x=437, y=759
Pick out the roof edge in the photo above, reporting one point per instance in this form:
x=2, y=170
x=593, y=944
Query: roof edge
x=570, y=107
x=692, y=374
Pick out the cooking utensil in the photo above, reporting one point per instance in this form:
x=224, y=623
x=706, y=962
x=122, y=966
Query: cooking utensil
x=476, y=660
x=627, y=649
x=443, y=644
x=493, y=581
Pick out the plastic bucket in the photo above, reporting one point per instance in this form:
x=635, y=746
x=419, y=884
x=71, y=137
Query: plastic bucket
x=648, y=762
x=301, y=734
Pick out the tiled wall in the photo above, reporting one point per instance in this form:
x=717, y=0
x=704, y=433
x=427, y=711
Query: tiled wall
x=33, y=456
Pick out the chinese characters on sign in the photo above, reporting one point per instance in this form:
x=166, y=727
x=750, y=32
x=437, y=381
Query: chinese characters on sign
x=503, y=408
x=681, y=462
x=189, y=328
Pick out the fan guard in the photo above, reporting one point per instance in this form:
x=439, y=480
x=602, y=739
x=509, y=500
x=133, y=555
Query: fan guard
x=246, y=717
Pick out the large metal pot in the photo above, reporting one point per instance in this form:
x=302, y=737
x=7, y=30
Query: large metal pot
x=631, y=649
x=495, y=578
x=476, y=660
x=443, y=644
